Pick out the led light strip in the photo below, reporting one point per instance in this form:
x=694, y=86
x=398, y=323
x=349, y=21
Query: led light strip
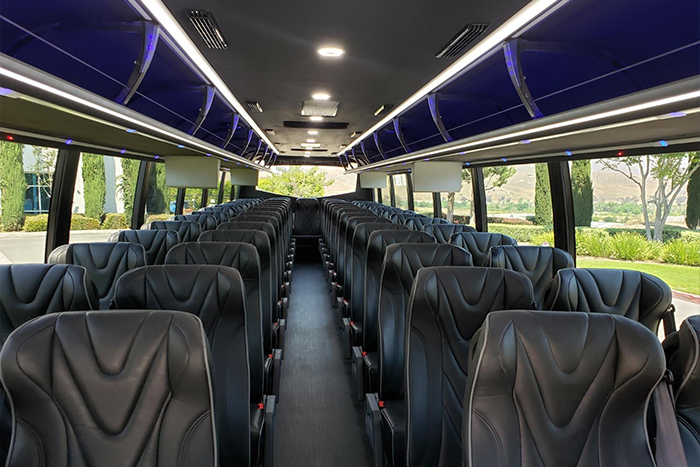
x=161, y=14
x=530, y=12
x=523, y=133
x=208, y=149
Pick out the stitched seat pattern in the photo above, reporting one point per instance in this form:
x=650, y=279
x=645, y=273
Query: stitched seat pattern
x=157, y=243
x=442, y=232
x=479, y=244
x=188, y=231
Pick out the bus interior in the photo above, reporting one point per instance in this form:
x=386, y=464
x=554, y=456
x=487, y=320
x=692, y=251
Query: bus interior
x=381, y=234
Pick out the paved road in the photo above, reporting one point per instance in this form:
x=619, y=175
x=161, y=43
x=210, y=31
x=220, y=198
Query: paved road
x=28, y=247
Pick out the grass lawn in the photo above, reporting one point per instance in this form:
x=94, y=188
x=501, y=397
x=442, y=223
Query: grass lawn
x=680, y=278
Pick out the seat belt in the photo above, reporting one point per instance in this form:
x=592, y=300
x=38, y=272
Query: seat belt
x=669, y=448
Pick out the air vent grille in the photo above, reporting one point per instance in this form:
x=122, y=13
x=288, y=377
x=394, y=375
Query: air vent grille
x=207, y=28
x=254, y=106
x=320, y=108
x=463, y=38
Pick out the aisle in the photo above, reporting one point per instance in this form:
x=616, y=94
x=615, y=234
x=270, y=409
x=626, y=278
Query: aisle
x=318, y=423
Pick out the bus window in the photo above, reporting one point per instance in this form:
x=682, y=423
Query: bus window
x=423, y=203
x=400, y=190
x=386, y=192
x=307, y=182
x=458, y=207
x=519, y=202
x=25, y=196
x=631, y=213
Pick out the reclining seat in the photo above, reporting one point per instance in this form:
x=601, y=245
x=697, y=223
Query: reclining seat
x=446, y=308
x=104, y=262
x=684, y=363
x=417, y=223
x=156, y=243
x=31, y=290
x=336, y=214
x=245, y=259
x=633, y=294
x=365, y=358
x=93, y=388
x=443, y=232
x=560, y=389
x=401, y=264
x=216, y=295
x=539, y=263
x=205, y=219
x=188, y=231
x=352, y=325
x=282, y=264
x=479, y=244
x=306, y=217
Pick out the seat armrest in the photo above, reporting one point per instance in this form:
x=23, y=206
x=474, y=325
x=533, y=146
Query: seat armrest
x=270, y=409
x=347, y=345
x=373, y=425
x=358, y=372
x=276, y=370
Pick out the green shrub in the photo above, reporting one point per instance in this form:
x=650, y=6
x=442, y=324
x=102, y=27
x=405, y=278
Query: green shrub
x=545, y=238
x=522, y=233
x=630, y=246
x=681, y=252
x=509, y=220
x=593, y=242
x=36, y=223
x=115, y=221
x=80, y=222
x=158, y=217
x=669, y=233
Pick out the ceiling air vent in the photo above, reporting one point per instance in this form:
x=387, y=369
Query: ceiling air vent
x=206, y=26
x=463, y=38
x=384, y=108
x=319, y=108
x=254, y=106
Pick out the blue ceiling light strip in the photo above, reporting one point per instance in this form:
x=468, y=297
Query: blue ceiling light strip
x=399, y=134
x=511, y=50
x=437, y=119
x=151, y=34
x=232, y=129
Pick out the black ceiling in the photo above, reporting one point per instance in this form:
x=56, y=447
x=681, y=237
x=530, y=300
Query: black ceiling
x=390, y=52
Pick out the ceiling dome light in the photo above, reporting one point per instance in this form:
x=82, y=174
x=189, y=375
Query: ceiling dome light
x=313, y=132
x=321, y=96
x=330, y=52
x=316, y=118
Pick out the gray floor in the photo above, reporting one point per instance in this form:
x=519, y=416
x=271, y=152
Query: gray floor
x=318, y=421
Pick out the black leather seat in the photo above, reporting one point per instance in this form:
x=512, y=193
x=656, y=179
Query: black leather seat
x=479, y=244
x=633, y=294
x=684, y=363
x=188, y=231
x=443, y=232
x=344, y=246
x=539, y=263
x=417, y=223
x=104, y=262
x=561, y=389
x=401, y=264
x=111, y=388
x=155, y=242
x=307, y=221
x=447, y=306
x=216, y=295
x=205, y=219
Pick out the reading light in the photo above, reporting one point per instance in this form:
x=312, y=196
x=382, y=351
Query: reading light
x=321, y=96
x=310, y=140
x=313, y=132
x=316, y=118
x=307, y=155
x=569, y=153
x=332, y=52
x=69, y=141
x=180, y=146
x=123, y=151
x=663, y=143
x=130, y=130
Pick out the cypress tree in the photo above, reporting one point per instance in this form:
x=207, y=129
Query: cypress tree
x=127, y=185
x=692, y=208
x=543, y=196
x=157, y=191
x=13, y=185
x=94, y=185
x=582, y=189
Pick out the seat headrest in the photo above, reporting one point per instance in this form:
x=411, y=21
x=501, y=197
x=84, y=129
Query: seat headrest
x=187, y=230
x=442, y=232
x=479, y=244
x=157, y=243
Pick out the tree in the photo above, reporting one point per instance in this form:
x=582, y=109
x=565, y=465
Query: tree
x=582, y=189
x=94, y=185
x=126, y=185
x=296, y=181
x=13, y=185
x=494, y=177
x=45, y=167
x=692, y=209
x=157, y=201
x=670, y=171
x=543, y=195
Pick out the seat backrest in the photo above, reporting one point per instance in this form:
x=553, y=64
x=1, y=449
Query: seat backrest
x=155, y=242
x=105, y=262
x=401, y=264
x=345, y=242
x=539, y=263
x=442, y=232
x=685, y=366
x=479, y=244
x=205, y=219
x=307, y=220
x=401, y=217
x=31, y=290
x=188, y=231
x=276, y=263
x=377, y=244
x=560, y=389
x=216, y=295
x=111, y=388
x=447, y=306
x=636, y=295
x=417, y=223
x=242, y=257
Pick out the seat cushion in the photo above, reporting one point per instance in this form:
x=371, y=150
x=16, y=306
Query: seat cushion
x=394, y=431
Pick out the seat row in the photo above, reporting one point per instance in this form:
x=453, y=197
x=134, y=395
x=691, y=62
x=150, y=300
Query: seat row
x=228, y=280
x=381, y=263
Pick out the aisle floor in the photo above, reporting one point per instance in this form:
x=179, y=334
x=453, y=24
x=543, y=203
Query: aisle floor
x=318, y=422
